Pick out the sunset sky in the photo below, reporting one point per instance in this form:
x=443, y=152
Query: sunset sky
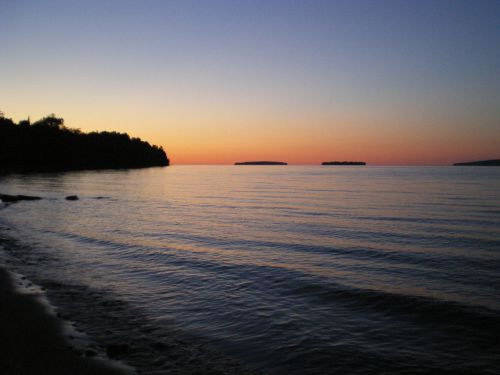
x=387, y=82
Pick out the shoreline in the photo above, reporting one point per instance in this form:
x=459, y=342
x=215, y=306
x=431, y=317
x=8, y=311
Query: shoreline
x=117, y=339
x=33, y=340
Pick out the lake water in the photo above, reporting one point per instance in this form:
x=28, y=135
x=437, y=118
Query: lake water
x=292, y=270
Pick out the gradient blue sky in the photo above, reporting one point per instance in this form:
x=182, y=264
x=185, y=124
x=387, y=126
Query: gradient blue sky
x=390, y=82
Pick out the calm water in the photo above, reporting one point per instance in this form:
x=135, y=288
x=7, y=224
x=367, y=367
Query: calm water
x=293, y=270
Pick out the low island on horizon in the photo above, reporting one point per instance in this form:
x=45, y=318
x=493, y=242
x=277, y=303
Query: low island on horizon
x=343, y=163
x=484, y=163
x=261, y=163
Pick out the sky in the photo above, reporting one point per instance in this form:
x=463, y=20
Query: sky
x=214, y=82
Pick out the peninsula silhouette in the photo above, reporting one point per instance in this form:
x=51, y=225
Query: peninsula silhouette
x=48, y=145
x=485, y=163
x=261, y=163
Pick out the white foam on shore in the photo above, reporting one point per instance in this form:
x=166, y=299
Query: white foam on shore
x=78, y=340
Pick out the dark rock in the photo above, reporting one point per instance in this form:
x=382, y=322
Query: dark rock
x=8, y=198
x=72, y=198
x=117, y=350
x=16, y=198
x=27, y=198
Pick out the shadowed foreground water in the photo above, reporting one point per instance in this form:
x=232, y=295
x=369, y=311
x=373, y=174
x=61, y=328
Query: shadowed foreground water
x=293, y=270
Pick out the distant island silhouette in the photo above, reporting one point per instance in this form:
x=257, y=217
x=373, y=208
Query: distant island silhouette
x=48, y=145
x=343, y=163
x=261, y=163
x=486, y=163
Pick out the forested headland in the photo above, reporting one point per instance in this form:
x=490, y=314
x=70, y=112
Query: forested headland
x=48, y=145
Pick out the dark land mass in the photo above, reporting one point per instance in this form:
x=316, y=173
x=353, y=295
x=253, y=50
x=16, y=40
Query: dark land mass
x=343, y=163
x=486, y=163
x=48, y=145
x=261, y=163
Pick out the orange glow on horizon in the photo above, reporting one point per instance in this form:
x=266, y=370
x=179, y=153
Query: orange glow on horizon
x=374, y=139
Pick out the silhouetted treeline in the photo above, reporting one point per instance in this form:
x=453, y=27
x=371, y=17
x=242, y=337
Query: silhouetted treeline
x=49, y=145
x=487, y=163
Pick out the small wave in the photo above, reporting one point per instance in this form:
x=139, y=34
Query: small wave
x=425, y=310
x=467, y=222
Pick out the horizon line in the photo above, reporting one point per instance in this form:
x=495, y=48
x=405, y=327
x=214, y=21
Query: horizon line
x=319, y=164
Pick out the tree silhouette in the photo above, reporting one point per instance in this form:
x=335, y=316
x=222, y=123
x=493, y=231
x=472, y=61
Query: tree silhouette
x=48, y=144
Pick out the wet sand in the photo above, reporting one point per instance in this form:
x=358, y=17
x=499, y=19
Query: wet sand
x=32, y=340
